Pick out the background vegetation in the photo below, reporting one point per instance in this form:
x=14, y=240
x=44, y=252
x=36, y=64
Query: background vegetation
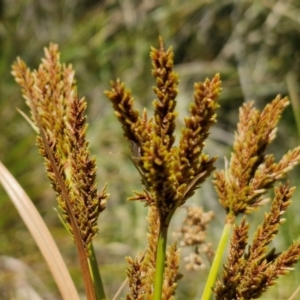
x=255, y=45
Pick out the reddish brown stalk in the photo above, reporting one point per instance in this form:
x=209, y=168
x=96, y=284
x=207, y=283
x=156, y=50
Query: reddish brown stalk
x=83, y=258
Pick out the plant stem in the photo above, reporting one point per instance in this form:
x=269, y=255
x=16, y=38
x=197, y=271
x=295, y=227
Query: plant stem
x=294, y=92
x=95, y=273
x=217, y=261
x=160, y=261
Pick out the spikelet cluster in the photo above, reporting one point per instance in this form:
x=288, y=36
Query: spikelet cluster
x=250, y=271
x=251, y=268
x=169, y=174
x=59, y=115
x=251, y=170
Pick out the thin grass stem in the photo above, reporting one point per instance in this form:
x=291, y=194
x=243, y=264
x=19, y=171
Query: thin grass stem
x=294, y=92
x=217, y=261
x=160, y=261
x=295, y=100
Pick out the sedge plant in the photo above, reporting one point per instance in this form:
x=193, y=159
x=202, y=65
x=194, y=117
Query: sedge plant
x=170, y=174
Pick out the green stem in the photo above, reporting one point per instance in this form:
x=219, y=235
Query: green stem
x=95, y=273
x=212, y=276
x=160, y=261
x=294, y=92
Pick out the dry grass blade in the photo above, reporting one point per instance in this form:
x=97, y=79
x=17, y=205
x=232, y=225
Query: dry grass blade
x=40, y=233
x=123, y=285
x=294, y=295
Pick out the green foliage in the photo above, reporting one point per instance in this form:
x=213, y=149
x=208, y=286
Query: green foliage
x=255, y=40
x=170, y=175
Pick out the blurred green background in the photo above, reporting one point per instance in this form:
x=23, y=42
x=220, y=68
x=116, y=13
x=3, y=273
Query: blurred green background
x=255, y=45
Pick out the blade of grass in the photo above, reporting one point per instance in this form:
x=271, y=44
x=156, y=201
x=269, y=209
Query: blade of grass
x=27, y=119
x=294, y=94
x=95, y=273
x=291, y=80
x=294, y=295
x=292, y=84
x=120, y=289
x=40, y=233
